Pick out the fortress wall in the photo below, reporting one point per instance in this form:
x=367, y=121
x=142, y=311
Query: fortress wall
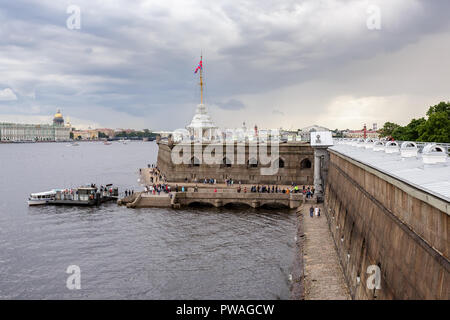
x=378, y=220
x=292, y=155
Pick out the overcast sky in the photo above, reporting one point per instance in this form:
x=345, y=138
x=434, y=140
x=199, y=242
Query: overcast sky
x=276, y=63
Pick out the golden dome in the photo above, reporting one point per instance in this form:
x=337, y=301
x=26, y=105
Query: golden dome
x=58, y=119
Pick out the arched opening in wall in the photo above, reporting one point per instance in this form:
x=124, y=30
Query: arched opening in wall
x=200, y=204
x=195, y=162
x=274, y=206
x=226, y=162
x=252, y=163
x=280, y=162
x=237, y=205
x=305, y=164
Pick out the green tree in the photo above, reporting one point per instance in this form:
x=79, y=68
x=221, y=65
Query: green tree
x=434, y=129
x=102, y=135
x=441, y=107
x=437, y=127
x=388, y=129
x=409, y=132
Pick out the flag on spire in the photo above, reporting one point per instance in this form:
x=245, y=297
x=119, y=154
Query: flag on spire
x=199, y=67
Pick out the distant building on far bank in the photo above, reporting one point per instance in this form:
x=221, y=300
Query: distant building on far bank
x=364, y=133
x=305, y=132
x=89, y=134
x=20, y=132
x=106, y=131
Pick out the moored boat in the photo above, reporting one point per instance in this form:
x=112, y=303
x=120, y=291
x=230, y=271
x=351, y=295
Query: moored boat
x=41, y=198
x=81, y=196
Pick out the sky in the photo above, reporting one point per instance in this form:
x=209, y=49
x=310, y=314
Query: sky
x=291, y=64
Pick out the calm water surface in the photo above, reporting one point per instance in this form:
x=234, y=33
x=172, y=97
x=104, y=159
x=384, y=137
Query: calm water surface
x=196, y=253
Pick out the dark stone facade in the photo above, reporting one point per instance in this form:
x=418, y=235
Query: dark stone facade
x=377, y=220
x=296, y=162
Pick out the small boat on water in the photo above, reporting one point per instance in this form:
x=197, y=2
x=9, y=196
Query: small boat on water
x=123, y=141
x=107, y=143
x=73, y=144
x=41, y=198
x=81, y=196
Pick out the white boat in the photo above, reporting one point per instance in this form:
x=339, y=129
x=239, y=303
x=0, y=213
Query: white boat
x=41, y=198
x=123, y=141
x=73, y=144
x=81, y=196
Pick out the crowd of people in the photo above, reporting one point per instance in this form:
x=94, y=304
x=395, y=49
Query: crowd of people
x=158, y=188
x=309, y=192
x=156, y=176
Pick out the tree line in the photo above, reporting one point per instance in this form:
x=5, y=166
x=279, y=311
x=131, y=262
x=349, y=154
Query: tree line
x=146, y=133
x=434, y=128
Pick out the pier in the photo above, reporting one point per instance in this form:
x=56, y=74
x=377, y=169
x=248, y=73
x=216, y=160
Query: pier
x=215, y=195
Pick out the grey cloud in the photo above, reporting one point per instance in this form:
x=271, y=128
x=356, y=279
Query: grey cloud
x=231, y=104
x=278, y=112
x=138, y=60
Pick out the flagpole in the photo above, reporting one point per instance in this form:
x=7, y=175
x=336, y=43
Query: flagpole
x=201, y=80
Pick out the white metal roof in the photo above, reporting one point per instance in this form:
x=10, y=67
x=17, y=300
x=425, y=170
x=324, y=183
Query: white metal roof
x=45, y=193
x=431, y=178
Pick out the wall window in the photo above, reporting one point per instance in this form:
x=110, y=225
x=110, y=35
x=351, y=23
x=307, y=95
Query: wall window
x=305, y=164
x=195, y=162
x=226, y=162
x=252, y=163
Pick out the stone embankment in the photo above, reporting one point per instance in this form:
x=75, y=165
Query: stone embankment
x=216, y=195
x=323, y=275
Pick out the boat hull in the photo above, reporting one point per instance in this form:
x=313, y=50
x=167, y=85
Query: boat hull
x=37, y=202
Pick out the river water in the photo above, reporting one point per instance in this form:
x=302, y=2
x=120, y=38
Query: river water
x=193, y=253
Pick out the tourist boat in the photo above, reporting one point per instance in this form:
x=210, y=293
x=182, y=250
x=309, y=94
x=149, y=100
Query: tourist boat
x=41, y=198
x=81, y=196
